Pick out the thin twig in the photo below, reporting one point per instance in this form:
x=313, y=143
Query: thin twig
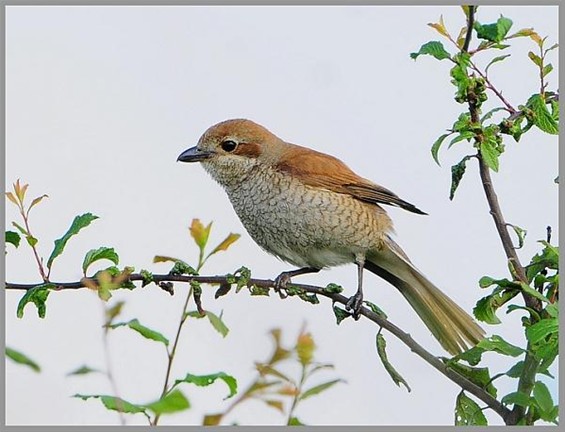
x=416, y=348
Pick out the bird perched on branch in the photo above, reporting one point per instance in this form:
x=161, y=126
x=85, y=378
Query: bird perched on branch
x=309, y=209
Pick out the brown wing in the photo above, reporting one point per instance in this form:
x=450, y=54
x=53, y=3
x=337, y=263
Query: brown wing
x=325, y=171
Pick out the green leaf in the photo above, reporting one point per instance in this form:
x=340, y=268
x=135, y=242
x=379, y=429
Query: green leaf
x=467, y=412
x=433, y=48
x=437, y=145
x=457, y=172
x=115, y=403
x=546, y=69
x=83, y=370
x=170, y=403
x=206, y=380
x=539, y=331
x=340, y=314
x=217, y=323
x=20, y=228
x=535, y=58
x=534, y=293
x=101, y=253
x=375, y=309
x=516, y=398
x=521, y=233
x=318, y=389
x=22, y=359
x=494, y=343
x=542, y=117
x=381, y=350
x=497, y=344
x=463, y=135
x=13, y=237
x=485, y=310
x=294, y=421
x=36, y=295
x=480, y=376
x=146, y=332
x=496, y=60
x=490, y=154
x=494, y=32
x=543, y=397
x=78, y=223
x=31, y=240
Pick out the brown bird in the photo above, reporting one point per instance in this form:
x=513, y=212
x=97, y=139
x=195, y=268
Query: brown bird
x=309, y=209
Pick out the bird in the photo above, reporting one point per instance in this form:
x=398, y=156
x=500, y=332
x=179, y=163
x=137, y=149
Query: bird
x=311, y=210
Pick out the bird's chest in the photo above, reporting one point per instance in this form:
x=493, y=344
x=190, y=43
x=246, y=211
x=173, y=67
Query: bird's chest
x=297, y=223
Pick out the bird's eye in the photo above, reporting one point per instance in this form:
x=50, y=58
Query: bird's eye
x=229, y=146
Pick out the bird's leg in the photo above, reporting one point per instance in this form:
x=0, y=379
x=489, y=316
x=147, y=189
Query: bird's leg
x=356, y=301
x=284, y=278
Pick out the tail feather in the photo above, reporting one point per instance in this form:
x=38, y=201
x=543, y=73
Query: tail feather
x=455, y=330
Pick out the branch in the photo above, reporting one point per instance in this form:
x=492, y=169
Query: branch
x=416, y=348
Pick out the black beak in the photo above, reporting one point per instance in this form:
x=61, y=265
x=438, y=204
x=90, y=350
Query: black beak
x=194, y=154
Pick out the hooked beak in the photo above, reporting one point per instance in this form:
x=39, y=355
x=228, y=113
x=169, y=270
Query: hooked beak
x=194, y=154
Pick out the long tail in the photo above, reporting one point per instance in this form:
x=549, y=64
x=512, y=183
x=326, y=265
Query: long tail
x=455, y=330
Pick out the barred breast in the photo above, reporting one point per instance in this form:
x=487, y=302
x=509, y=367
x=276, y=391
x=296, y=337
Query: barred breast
x=303, y=225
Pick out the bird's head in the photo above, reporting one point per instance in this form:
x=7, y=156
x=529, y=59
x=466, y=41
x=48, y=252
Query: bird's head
x=231, y=149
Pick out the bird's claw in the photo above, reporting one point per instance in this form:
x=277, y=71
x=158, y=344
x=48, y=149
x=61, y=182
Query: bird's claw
x=281, y=282
x=354, y=304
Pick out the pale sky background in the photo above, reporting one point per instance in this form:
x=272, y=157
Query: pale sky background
x=100, y=102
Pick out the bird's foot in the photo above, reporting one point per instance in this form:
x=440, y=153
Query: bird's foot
x=281, y=281
x=354, y=304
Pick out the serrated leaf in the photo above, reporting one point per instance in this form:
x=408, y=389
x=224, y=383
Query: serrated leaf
x=540, y=330
x=497, y=344
x=494, y=32
x=83, y=370
x=226, y=243
x=433, y=48
x=436, y=145
x=172, y=402
x=542, y=117
x=457, y=172
x=101, y=253
x=318, y=389
x=217, y=323
x=36, y=295
x=114, y=403
x=490, y=154
x=200, y=233
x=467, y=412
x=78, y=223
x=146, y=332
x=22, y=359
x=485, y=310
x=206, y=380
x=381, y=351
x=13, y=238
x=480, y=376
